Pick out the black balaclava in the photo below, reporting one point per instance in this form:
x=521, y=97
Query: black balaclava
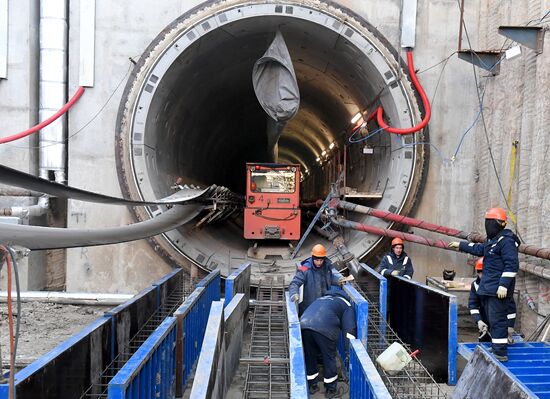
x=493, y=227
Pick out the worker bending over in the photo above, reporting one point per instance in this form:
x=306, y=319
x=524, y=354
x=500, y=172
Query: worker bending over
x=478, y=312
x=396, y=262
x=500, y=266
x=322, y=323
x=315, y=275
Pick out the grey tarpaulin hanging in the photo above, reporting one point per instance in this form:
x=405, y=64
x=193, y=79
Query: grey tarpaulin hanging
x=277, y=90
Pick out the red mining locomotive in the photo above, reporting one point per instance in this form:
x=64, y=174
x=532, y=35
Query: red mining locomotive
x=272, y=202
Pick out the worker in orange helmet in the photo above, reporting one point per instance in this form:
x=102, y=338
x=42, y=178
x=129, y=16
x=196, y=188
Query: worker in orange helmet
x=314, y=277
x=500, y=267
x=478, y=313
x=396, y=262
x=474, y=304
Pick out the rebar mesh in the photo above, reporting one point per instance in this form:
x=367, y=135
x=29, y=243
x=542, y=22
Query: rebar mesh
x=268, y=339
x=99, y=389
x=414, y=381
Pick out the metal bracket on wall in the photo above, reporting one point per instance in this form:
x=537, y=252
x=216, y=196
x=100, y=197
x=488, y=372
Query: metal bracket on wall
x=529, y=36
x=488, y=59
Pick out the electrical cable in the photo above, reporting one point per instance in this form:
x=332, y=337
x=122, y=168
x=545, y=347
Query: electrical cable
x=98, y=112
x=486, y=133
x=353, y=141
x=10, y=324
x=423, y=96
x=18, y=291
x=45, y=123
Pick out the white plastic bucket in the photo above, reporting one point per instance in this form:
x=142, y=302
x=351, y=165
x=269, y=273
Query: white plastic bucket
x=393, y=359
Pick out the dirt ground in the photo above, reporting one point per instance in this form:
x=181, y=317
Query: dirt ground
x=43, y=327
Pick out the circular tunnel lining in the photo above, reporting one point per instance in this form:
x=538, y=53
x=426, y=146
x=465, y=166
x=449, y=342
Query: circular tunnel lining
x=190, y=111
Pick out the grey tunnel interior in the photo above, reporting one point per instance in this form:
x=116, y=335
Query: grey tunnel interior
x=193, y=114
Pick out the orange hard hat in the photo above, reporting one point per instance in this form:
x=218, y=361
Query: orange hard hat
x=319, y=251
x=496, y=213
x=479, y=265
x=396, y=241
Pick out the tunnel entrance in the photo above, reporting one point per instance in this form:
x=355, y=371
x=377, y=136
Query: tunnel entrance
x=189, y=110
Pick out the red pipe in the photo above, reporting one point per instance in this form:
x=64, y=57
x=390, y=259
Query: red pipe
x=391, y=233
x=393, y=217
x=423, y=96
x=531, y=250
x=45, y=123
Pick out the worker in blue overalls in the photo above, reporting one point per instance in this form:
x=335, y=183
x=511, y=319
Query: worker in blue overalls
x=396, y=262
x=478, y=312
x=322, y=323
x=314, y=276
x=500, y=266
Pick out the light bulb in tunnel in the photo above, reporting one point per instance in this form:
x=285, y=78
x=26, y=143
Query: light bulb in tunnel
x=356, y=117
x=324, y=153
x=318, y=159
x=331, y=146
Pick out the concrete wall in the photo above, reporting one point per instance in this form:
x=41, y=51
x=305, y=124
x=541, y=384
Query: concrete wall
x=457, y=191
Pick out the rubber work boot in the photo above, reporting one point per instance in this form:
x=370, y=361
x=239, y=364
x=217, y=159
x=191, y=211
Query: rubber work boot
x=313, y=388
x=336, y=392
x=511, y=335
x=502, y=358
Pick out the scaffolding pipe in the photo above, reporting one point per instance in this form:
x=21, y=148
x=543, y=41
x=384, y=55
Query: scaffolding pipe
x=531, y=250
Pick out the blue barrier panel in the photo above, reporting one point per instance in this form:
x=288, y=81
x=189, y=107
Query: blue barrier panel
x=68, y=369
x=209, y=377
x=150, y=372
x=129, y=317
x=361, y=307
x=413, y=307
x=172, y=282
x=234, y=326
x=238, y=282
x=376, y=289
x=298, y=378
x=364, y=380
x=192, y=319
x=206, y=281
x=486, y=377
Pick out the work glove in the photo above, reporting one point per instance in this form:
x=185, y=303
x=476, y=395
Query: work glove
x=454, y=245
x=501, y=292
x=395, y=273
x=482, y=326
x=295, y=298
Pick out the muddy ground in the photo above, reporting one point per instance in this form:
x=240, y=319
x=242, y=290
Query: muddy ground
x=43, y=327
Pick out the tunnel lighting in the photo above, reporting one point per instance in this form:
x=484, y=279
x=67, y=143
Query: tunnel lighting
x=318, y=159
x=356, y=117
x=331, y=146
x=324, y=153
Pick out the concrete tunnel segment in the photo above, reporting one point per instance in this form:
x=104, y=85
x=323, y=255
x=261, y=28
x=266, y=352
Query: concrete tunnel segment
x=189, y=111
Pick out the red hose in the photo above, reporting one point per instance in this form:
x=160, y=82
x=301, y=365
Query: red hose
x=10, y=324
x=423, y=96
x=45, y=123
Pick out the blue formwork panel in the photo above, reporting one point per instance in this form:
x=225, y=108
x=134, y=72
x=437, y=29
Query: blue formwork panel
x=364, y=380
x=209, y=378
x=361, y=307
x=412, y=309
x=298, y=378
x=192, y=318
x=376, y=288
x=238, y=282
x=64, y=372
x=528, y=362
x=151, y=371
